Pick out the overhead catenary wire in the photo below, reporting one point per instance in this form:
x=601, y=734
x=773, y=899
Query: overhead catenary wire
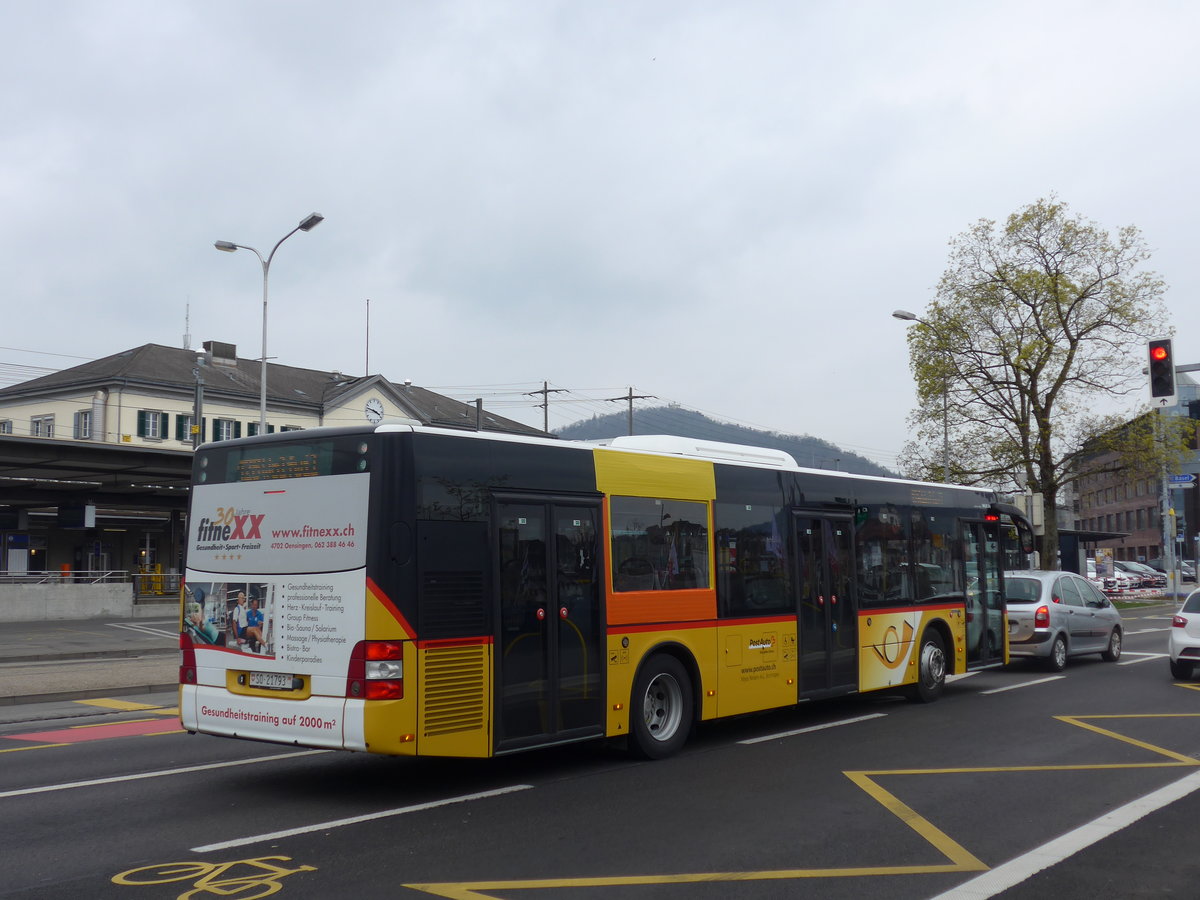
x=569, y=406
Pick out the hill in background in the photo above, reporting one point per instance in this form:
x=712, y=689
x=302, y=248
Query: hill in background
x=807, y=451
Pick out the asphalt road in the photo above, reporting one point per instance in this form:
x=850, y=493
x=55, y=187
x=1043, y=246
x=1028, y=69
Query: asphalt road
x=969, y=797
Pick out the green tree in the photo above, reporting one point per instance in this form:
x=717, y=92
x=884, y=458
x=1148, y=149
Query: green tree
x=1035, y=328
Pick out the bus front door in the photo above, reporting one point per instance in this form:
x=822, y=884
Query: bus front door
x=550, y=646
x=986, y=628
x=827, y=622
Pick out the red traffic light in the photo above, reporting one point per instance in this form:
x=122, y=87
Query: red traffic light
x=1162, y=371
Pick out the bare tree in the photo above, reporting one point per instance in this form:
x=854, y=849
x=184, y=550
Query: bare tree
x=1035, y=328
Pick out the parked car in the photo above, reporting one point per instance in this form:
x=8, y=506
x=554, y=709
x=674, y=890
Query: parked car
x=1116, y=581
x=1107, y=583
x=1187, y=571
x=1056, y=615
x=1150, y=579
x=1183, y=645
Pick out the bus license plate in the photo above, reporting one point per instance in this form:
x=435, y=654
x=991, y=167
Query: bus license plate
x=276, y=681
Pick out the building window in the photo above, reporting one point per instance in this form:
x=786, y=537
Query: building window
x=292, y=428
x=151, y=424
x=183, y=428
x=6, y=426
x=226, y=429
x=252, y=429
x=83, y=425
x=42, y=426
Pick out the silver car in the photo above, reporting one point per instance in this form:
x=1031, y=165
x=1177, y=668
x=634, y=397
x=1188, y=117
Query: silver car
x=1056, y=615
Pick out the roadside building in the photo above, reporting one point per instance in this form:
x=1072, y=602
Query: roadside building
x=1130, y=507
x=94, y=460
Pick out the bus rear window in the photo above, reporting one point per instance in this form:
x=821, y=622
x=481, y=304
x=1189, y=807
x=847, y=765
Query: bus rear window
x=286, y=459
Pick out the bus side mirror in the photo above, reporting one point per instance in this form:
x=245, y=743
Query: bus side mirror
x=1025, y=536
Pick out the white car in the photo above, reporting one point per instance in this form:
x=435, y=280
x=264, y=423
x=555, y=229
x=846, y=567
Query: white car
x=1108, y=584
x=1183, y=646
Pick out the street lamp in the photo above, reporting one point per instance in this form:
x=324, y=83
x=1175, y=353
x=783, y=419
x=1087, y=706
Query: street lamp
x=907, y=316
x=307, y=224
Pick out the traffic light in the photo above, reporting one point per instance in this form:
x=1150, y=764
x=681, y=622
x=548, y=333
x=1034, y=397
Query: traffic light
x=1162, y=372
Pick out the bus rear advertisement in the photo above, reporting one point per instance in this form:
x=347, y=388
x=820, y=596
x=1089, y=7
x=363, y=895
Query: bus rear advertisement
x=411, y=590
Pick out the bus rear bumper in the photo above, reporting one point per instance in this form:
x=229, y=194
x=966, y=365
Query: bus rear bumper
x=327, y=722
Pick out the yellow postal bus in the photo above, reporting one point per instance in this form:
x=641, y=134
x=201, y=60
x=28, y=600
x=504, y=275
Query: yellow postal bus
x=411, y=590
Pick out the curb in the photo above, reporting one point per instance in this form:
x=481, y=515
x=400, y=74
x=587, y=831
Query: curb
x=90, y=654
x=88, y=694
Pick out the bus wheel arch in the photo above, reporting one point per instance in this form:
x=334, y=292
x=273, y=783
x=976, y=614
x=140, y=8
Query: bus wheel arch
x=662, y=705
x=932, y=665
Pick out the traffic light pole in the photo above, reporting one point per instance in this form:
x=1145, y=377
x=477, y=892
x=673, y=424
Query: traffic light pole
x=1167, y=515
x=1162, y=371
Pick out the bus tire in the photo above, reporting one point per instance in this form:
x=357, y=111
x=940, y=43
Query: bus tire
x=931, y=668
x=660, y=709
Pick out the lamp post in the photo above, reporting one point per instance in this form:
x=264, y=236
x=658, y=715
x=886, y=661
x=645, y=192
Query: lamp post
x=307, y=224
x=907, y=316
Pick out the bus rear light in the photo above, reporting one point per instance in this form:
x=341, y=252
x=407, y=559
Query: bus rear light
x=376, y=671
x=187, y=666
x=385, y=690
x=385, y=670
x=1041, y=618
x=383, y=650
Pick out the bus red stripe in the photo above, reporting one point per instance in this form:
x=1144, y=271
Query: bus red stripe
x=391, y=607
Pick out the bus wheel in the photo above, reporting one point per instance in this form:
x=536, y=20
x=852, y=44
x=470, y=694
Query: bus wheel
x=931, y=669
x=661, y=708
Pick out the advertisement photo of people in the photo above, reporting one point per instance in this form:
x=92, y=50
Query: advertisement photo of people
x=236, y=616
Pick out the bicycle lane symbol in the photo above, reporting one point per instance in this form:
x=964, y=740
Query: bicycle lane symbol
x=259, y=877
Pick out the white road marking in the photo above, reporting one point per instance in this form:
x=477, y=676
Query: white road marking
x=1023, y=684
x=145, y=629
x=1145, y=657
x=117, y=779
x=1147, y=631
x=1013, y=872
x=355, y=820
x=783, y=734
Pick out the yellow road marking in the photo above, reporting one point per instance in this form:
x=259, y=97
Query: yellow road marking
x=109, y=724
x=470, y=890
x=130, y=706
x=110, y=703
x=961, y=859
x=33, y=747
x=1079, y=720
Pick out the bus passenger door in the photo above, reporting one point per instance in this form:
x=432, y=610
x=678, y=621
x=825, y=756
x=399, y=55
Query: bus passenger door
x=986, y=627
x=827, y=621
x=549, y=648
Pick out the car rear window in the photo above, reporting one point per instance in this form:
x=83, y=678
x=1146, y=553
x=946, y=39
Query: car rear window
x=1191, y=604
x=1022, y=590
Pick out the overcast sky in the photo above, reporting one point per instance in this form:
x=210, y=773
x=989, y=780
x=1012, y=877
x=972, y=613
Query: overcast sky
x=717, y=204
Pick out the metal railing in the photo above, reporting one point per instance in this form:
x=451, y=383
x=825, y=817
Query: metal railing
x=146, y=586
x=72, y=576
x=154, y=585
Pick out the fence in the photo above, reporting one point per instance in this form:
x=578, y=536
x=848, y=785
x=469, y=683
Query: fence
x=66, y=576
x=145, y=585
